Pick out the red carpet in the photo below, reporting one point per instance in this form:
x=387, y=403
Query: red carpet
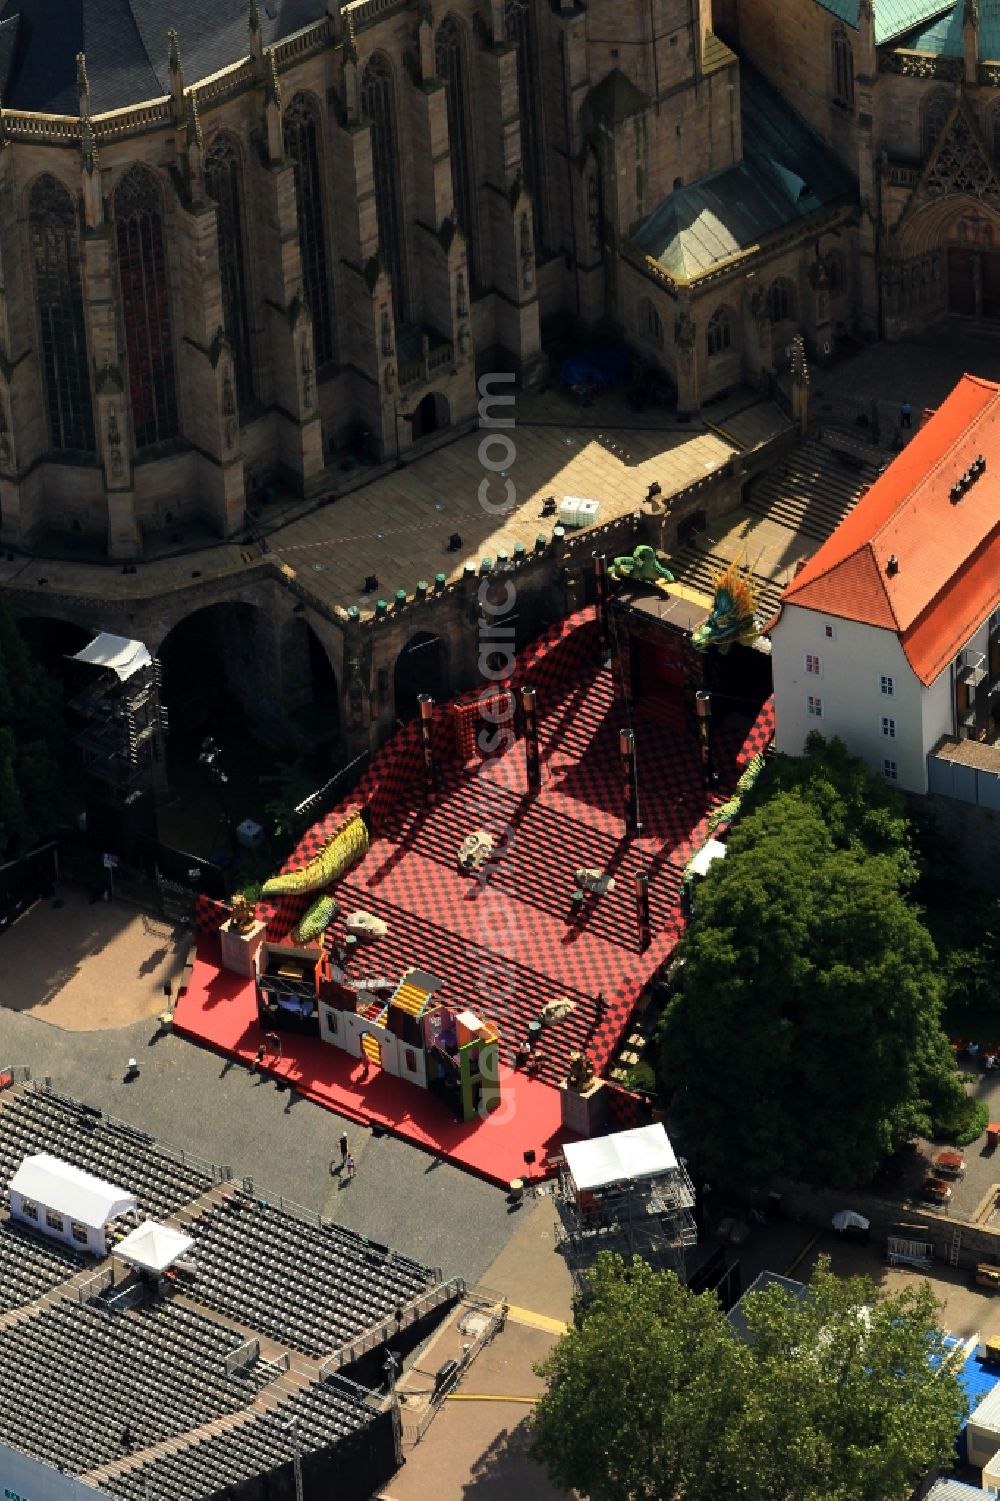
x=219, y=1009
x=506, y=944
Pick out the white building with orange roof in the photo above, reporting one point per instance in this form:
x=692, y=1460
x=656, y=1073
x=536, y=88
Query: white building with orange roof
x=889, y=636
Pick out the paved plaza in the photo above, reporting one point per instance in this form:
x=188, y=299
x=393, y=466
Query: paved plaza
x=398, y=526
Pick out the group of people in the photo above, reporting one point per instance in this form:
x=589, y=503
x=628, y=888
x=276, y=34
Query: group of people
x=346, y=1165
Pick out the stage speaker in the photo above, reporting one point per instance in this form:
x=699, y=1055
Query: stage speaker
x=455, y=542
x=529, y=1156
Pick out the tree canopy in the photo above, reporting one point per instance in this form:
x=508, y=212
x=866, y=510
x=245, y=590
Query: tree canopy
x=652, y=1396
x=32, y=738
x=805, y=1036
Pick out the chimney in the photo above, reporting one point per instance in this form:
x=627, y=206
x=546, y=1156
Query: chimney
x=892, y=566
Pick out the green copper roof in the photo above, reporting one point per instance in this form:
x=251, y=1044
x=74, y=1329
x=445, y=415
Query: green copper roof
x=944, y=36
x=786, y=175
x=892, y=17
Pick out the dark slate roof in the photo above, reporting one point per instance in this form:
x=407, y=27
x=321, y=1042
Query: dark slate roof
x=786, y=175
x=125, y=42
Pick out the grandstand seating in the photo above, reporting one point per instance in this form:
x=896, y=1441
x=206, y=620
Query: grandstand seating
x=31, y=1265
x=325, y=1414
x=74, y=1377
x=313, y=1287
x=37, y=1120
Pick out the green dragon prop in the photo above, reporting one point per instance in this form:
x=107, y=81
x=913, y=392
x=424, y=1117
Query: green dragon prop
x=643, y=567
x=732, y=615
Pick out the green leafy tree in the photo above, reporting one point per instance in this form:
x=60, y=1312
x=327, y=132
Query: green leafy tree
x=861, y=812
x=652, y=1397
x=32, y=746
x=633, y=1390
x=805, y=1037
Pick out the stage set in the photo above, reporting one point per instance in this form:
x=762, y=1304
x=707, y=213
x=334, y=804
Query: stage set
x=495, y=918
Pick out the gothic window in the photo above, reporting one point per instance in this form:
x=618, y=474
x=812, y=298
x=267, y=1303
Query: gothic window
x=522, y=31
x=451, y=68
x=379, y=106
x=720, y=331
x=779, y=300
x=223, y=180
x=995, y=131
x=142, y=271
x=301, y=134
x=937, y=108
x=650, y=323
x=843, y=69
x=59, y=296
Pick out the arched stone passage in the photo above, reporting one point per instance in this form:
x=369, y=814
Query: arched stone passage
x=52, y=642
x=220, y=678
x=421, y=667
x=432, y=415
x=310, y=693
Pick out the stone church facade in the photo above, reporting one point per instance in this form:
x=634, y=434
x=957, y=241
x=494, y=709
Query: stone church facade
x=280, y=233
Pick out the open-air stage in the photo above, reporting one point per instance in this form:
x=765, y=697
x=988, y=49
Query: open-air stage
x=507, y=943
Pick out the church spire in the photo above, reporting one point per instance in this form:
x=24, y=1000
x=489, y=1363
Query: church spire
x=176, y=75
x=83, y=86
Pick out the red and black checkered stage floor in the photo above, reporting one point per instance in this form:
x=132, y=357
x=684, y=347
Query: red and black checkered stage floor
x=507, y=944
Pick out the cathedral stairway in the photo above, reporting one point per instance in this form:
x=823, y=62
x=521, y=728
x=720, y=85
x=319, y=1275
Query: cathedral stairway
x=815, y=487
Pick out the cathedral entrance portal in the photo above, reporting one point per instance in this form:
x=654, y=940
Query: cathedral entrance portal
x=973, y=282
x=973, y=268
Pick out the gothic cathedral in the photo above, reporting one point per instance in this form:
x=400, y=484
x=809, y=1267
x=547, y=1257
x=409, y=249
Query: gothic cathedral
x=284, y=232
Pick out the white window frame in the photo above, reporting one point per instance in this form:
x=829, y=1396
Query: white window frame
x=890, y=770
x=55, y=1221
x=883, y=679
x=814, y=706
x=888, y=727
x=812, y=656
x=29, y=1209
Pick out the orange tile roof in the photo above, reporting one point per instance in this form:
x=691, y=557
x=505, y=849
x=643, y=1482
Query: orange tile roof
x=948, y=555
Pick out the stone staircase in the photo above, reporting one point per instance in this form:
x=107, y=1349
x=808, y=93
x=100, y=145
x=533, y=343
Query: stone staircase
x=816, y=486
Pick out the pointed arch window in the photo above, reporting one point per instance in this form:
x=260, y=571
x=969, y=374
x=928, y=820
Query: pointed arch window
x=378, y=104
x=937, y=108
x=719, y=334
x=142, y=272
x=995, y=131
x=450, y=57
x=781, y=303
x=55, y=249
x=223, y=179
x=522, y=30
x=843, y=69
x=301, y=137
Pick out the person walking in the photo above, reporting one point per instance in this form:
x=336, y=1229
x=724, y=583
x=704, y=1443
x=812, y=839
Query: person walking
x=343, y=1149
x=349, y=1168
x=906, y=415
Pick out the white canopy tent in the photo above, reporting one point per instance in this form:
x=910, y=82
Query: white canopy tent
x=122, y=656
x=154, y=1247
x=713, y=850
x=624, y=1157
x=66, y=1203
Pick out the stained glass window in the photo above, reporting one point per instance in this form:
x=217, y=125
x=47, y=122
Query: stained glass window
x=55, y=246
x=142, y=271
